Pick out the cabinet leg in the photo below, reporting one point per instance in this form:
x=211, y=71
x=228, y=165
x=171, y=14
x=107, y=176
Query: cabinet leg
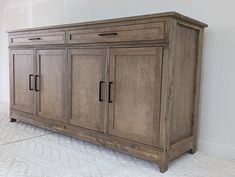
x=193, y=150
x=12, y=120
x=163, y=166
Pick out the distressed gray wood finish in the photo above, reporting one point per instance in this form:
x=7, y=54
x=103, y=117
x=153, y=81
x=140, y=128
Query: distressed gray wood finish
x=51, y=84
x=147, y=102
x=22, y=66
x=136, y=76
x=87, y=68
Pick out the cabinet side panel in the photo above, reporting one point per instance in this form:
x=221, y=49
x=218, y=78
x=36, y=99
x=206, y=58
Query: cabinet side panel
x=183, y=94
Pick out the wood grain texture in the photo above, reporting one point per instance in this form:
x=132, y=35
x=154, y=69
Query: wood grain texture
x=149, y=31
x=197, y=90
x=39, y=38
x=166, y=96
x=180, y=147
x=183, y=93
x=22, y=66
x=51, y=66
x=136, y=77
x=87, y=84
x=118, y=144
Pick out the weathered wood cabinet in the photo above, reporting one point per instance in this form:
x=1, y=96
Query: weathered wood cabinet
x=130, y=84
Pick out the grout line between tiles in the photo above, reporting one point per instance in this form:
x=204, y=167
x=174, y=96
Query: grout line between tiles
x=34, y=137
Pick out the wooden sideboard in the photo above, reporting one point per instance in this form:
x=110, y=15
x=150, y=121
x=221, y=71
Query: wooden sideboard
x=130, y=84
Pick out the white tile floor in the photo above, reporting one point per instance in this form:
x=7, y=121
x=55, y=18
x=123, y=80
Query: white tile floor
x=28, y=151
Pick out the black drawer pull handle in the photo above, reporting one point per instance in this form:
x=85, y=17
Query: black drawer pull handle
x=110, y=86
x=34, y=39
x=108, y=34
x=36, y=83
x=100, y=91
x=30, y=81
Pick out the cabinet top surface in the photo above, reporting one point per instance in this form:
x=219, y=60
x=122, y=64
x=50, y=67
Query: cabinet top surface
x=158, y=15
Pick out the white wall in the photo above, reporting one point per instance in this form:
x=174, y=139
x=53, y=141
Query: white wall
x=217, y=120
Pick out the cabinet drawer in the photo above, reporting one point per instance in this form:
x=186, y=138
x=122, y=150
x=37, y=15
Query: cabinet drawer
x=138, y=32
x=38, y=38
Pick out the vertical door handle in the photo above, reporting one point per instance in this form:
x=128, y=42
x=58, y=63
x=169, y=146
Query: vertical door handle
x=100, y=91
x=30, y=81
x=110, y=87
x=36, y=83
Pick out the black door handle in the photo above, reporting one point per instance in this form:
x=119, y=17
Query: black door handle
x=34, y=39
x=30, y=81
x=36, y=83
x=110, y=87
x=100, y=91
x=108, y=34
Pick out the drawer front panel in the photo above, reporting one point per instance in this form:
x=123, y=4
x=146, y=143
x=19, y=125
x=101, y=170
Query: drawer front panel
x=139, y=32
x=38, y=38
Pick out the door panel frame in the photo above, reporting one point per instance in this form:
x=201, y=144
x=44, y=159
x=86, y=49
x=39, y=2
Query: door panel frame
x=157, y=95
x=76, y=51
x=13, y=52
x=41, y=51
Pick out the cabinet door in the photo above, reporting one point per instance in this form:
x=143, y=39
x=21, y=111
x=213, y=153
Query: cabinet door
x=51, y=84
x=21, y=80
x=87, y=70
x=135, y=84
